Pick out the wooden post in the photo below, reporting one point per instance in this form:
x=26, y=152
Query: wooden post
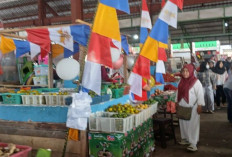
x=41, y=12
x=84, y=144
x=50, y=71
x=76, y=10
x=82, y=55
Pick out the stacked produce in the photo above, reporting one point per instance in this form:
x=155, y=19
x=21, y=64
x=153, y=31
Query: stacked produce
x=126, y=108
x=169, y=77
x=169, y=87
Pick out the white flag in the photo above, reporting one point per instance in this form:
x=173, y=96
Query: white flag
x=160, y=68
x=169, y=14
x=35, y=50
x=62, y=36
x=92, y=77
x=135, y=81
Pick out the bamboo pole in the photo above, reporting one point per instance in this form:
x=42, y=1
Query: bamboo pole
x=38, y=27
x=50, y=71
x=14, y=36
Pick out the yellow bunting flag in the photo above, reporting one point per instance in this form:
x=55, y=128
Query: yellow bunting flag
x=7, y=45
x=106, y=22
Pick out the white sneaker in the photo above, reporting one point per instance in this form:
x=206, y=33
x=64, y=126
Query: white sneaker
x=184, y=142
x=192, y=148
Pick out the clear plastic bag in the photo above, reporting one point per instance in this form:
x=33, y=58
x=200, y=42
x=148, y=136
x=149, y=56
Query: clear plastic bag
x=79, y=111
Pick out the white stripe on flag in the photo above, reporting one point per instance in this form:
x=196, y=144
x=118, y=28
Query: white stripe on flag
x=35, y=50
x=169, y=14
x=135, y=81
x=146, y=20
x=118, y=44
x=92, y=77
x=62, y=36
x=160, y=68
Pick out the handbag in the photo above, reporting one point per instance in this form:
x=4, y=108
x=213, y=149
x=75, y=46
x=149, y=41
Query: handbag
x=184, y=113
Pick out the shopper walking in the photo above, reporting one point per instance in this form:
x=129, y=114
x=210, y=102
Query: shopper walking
x=207, y=79
x=221, y=76
x=228, y=92
x=190, y=94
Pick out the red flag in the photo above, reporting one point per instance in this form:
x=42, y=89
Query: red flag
x=179, y=3
x=163, y=3
x=99, y=50
x=41, y=38
x=162, y=54
x=142, y=67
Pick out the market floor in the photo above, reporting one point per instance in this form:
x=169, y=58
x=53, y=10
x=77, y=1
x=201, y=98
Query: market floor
x=215, y=139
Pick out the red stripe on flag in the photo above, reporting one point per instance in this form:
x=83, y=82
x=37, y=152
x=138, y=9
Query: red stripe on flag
x=144, y=5
x=163, y=3
x=142, y=67
x=179, y=3
x=162, y=54
x=41, y=38
x=99, y=50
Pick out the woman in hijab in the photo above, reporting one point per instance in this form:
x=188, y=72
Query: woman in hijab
x=207, y=79
x=221, y=76
x=190, y=94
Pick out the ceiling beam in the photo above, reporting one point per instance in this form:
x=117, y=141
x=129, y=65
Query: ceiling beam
x=54, y=13
x=18, y=5
x=47, y=21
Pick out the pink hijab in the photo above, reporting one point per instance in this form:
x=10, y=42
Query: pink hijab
x=186, y=84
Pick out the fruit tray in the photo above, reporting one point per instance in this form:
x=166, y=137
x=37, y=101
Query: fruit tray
x=102, y=121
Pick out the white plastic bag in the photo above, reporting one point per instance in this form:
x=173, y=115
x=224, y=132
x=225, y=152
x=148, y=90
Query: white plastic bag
x=79, y=111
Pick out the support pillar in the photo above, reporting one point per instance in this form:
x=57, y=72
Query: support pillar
x=41, y=12
x=76, y=10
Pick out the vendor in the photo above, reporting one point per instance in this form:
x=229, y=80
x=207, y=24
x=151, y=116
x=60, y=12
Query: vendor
x=105, y=76
x=145, y=88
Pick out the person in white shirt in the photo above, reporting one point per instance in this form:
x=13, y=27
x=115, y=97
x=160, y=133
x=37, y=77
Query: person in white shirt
x=190, y=94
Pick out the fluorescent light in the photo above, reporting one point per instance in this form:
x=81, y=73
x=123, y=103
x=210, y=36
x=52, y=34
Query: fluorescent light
x=135, y=36
x=226, y=24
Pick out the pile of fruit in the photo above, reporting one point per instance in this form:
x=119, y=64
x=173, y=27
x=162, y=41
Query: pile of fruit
x=115, y=86
x=92, y=94
x=157, y=92
x=149, y=101
x=141, y=106
x=60, y=93
x=28, y=92
x=120, y=115
x=126, y=108
x=169, y=77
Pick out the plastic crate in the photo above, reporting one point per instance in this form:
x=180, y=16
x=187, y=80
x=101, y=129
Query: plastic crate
x=11, y=98
x=138, y=119
x=105, y=97
x=50, y=89
x=55, y=99
x=117, y=93
x=52, y=99
x=33, y=100
x=24, y=153
x=102, y=121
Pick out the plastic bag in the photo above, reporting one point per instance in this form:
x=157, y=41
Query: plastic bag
x=79, y=111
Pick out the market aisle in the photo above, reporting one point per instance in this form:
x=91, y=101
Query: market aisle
x=215, y=139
